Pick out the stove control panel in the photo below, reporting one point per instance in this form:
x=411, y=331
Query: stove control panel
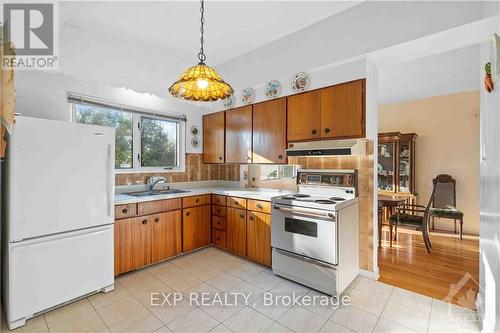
x=326, y=178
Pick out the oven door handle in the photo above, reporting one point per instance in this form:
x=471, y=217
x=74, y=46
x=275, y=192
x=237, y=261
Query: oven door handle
x=305, y=211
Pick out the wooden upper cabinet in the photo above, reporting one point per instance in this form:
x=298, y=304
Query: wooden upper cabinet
x=239, y=135
x=196, y=227
x=269, y=132
x=236, y=231
x=342, y=110
x=213, y=137
x=166, y=239
x=304, y=116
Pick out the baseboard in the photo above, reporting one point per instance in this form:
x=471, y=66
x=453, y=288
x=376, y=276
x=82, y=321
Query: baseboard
x=373, y=275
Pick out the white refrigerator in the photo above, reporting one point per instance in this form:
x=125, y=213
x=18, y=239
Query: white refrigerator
x=59, y=215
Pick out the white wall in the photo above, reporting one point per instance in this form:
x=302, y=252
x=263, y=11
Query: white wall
x=43, y=95
x=447, y=142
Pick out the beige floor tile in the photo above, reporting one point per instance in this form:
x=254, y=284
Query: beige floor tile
x=406, y=316
x=203, y=271
x=453, y=313
x=128, y=315
x=223, y=307
x=374, y=288
x=302, y=320
x=248, y=320
x=163, y=329
x=251, y=292
x=265, y=280
x=439, y=325
x=273, y=305
x=354, y=319
x=137, y=281
x=319, y=303
x=169, y=312
x=101, y=299
x=221, y=329
x=181, y=281
x=386, y=326
x=88, y=322
x=277, y=328
x=194, y=321
x=367, y=302
x=412, y=300
x=224, y=282
x=186, y=260
x=165, y=270
x=331, y=327
x=33, y=325
x=245, y=271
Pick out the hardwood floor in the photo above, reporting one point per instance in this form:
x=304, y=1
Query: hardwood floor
x=408, y=265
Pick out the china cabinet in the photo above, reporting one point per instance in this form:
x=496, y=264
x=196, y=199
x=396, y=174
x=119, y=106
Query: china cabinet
x=396, y=163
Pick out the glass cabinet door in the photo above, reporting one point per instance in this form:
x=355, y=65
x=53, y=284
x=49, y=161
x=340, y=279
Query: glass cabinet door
x=404, y=167
x=386, y=165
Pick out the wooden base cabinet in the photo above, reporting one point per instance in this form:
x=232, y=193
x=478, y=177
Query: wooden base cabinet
x=236, y=234
x=140, y=241
x=196, y=227
x=259, y=237
x=167, y=239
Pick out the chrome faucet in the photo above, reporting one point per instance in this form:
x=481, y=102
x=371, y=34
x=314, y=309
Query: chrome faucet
x=152, y=181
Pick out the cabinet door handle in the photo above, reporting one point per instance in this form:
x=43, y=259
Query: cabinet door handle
x=259, y=206
x=144, y=221
x=313, y=132
x=220, y=158
x=251, y=218
x=242, y=216
x=124, y=210
x=196, y=200
x=157, y=220
x=280, y=157
x=327, y=130
x=188, y=213
x=218, y=238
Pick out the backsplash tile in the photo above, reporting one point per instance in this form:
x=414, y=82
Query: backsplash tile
x=196, y=170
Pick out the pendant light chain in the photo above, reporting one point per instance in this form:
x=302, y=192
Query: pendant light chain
x=202, y=55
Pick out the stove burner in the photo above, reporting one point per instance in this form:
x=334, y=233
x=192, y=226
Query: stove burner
x=337, y=198
x=300, y=195
x=322, y=201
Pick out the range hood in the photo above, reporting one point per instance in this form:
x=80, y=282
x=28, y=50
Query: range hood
x=327, y=148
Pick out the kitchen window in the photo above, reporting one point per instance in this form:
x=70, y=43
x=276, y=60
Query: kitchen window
x=276, y=172
x=144, y=142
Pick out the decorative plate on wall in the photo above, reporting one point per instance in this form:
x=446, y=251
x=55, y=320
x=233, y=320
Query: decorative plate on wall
x=229, y=102
x=247, y=96
x=273, y=89
x=195, y=130
x=300, y=82
x=195, y=142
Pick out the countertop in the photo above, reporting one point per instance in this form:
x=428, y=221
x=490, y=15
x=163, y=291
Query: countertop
x=242, y=192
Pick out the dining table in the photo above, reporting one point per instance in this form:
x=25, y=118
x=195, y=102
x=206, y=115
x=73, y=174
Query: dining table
x=389, y=202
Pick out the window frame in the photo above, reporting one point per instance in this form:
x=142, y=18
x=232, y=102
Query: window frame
x=136, y=140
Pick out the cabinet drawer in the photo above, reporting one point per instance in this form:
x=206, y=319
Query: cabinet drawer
x=197, y=200
x=259, y=206
x=219, y=238
x=124, y=211
x=219, y=223
x=235, y=202
x=158, y=206
x=218, y=199
x=219, y=211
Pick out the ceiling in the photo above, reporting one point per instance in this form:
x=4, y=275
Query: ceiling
x=232, y=27
x=441, y=74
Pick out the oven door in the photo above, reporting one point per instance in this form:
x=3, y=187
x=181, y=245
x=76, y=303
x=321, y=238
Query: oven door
x=305, y=231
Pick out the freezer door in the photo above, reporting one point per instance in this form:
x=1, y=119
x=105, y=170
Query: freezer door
x=61, y=177
x=49, y=271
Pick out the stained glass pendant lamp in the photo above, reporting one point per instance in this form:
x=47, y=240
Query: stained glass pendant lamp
x=201, y=82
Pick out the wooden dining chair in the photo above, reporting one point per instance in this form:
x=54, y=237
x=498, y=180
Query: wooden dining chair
x=445, y=202
x=416, y=217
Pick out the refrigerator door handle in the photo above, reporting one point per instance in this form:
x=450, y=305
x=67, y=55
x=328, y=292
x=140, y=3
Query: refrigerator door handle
x=109, y=180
